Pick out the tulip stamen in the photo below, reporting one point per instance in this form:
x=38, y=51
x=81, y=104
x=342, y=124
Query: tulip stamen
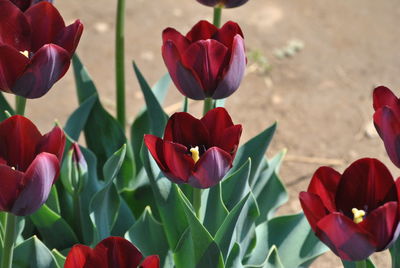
x=25, y=53
x=195, y=153
x=358, y=215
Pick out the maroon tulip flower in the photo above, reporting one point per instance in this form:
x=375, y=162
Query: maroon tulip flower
x=356, y=213
x=387, y=121
x=197, y=152
x=25, y=4
x=223, y=3
x=109, y=253
x=35, y=48
x=206, y=63
x=29, y=164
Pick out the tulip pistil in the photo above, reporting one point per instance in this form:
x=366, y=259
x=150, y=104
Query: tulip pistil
x=195, y=153
x=358, y=215
x=25, y=53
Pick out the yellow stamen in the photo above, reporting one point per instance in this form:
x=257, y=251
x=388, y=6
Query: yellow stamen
x=25, y=53
x=195, y=153
x=358, y=215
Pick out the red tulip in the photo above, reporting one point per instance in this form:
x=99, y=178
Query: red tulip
x=35, y=48
x=197, y=152
x=25, y=4
x=387, y=121
x=111, y=252
x=207, y=62
x=29, y=164
x=356, y=213
x=222, y=3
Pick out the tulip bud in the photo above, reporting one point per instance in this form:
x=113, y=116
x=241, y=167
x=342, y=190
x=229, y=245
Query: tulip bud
x=74, y=170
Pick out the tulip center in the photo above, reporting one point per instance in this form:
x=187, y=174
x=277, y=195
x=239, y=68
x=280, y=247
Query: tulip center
x=358, y=215
x=195, y=153
x=25, y=53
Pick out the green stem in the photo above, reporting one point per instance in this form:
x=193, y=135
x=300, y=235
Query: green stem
x=185, y=105
x=120, y=62
x=78, y=218
x=197, y=201
x=361, y=264
x=20, y=103
x=208, y=105
x=9, y=239
x=217, y=16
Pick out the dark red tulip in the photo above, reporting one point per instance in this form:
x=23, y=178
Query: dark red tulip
x=223, y=3
x=197, y=152
x=109, y=253
x=35, y=48
x=387, y=121
x=25, y=4
x=29, y=164
x=206, y=63
x=356, y=213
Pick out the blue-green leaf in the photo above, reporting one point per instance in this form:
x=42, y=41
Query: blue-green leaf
x=33, y=253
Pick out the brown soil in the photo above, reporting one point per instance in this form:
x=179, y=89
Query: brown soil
x=321, y=96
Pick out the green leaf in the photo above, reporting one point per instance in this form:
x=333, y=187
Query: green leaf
x=52, y=201
x=32, y=253
x=60, y=259
x=273, y=260
x=236, y=186
x=54, y=230
x=234, y=258
x=124, y=220
x=148, y=235
x=4, y=106
x=113, y=164
x=157, y=116
x=216, y=211
x=395, y=253
x=254, y=149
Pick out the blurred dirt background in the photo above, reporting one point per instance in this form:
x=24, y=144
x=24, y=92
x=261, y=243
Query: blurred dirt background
x=312, y=67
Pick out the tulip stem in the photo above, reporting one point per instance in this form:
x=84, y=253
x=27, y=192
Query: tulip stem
x=208, y=105
x=78, y=217
x=9, y=239
x=197, y=201
x=20, y=103
x=217, y=16
x=361, y=264
x=120, y=62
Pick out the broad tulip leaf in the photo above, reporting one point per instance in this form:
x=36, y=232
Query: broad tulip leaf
x=4, y=106
x=273, y=259
x=60, y=259
x=124, y=221
x=111, y=137
x=52, y=201
x=148, y=235
x=157, y=116
x=215, y=212
x=33, y=253
x=236, y=186
x=54, y=230
x=395, y=253
x=234, y=259
x=254, y=149
x=114, y=164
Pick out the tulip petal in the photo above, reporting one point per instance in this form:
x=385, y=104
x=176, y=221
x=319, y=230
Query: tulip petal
x=180, y=41
x=388, y=127
x=46, y=23
x=233, y=75
x=10, y=181
x=78, y=257
x=155, y=145
x=227, y=33
x=22, y=4
x=187, y=130
x=69, y=37
x=207, y=59
x=152, y=261
x=53, y=142
x=14, y=27
x=47, y=66
x=345, y=238
x=324, y=183
x=119, y=252
x=366, y=184
x=184, y=79
x=234, y=3
x=313, y=208
x=211, y=168
x=18, y=139
x=217, y=120
x=38, y=180
x=178, y=161
x=383, y=96
x=381, y=223
x=201, y=31
x=12, y=65
x=229, y=140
